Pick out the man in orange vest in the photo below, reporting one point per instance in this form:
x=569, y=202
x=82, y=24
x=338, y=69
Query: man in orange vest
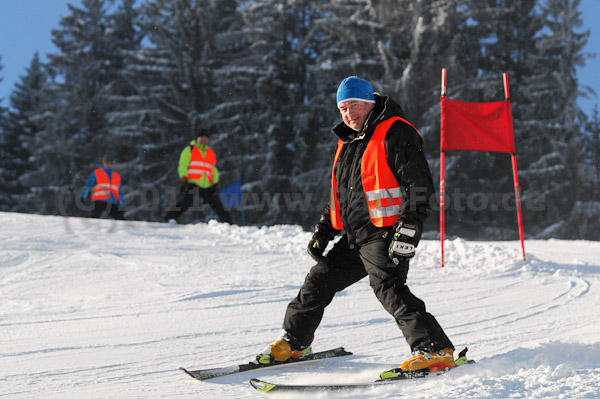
x=380, y=191
x=198, y=175
x=105, y=186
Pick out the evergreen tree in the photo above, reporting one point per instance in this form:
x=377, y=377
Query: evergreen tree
x=586, y=211
x=479, y=185
x=23, y=122
x=550, y=170
x=281, y=41
x=590, y=154
x=435, y=37
x=73, y=133
x=175, y=89
x=5, y=150
x=2, y=110
x=262, y=76
x=88, y=61
x=184, y=29
x=84, y=74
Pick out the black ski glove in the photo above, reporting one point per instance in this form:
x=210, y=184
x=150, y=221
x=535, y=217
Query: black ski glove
x=183, y=187
x=319, y=241
x=406, y=237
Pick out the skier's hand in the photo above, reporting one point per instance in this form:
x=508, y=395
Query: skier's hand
x=316, y=247
x=318, y=243
x=406, y=238
x=183, y=187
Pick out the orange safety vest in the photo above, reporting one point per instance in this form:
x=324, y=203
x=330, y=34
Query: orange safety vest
x=380, y=186
x=105, y=186
x=201, y=164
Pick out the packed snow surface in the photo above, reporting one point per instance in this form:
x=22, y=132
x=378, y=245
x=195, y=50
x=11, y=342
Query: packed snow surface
x=111, y=309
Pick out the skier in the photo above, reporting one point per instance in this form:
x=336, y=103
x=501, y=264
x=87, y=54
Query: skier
x=380, y=190
x=198, y=175
x=105, y=186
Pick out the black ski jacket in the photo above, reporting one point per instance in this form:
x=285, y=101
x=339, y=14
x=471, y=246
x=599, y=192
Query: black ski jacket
x=404, y=148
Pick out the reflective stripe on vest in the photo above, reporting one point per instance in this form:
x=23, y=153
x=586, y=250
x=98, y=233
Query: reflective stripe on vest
x=381, y=188
x=201, y=165
x=105, y=187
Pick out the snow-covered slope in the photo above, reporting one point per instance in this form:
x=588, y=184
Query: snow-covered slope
x=106, y=309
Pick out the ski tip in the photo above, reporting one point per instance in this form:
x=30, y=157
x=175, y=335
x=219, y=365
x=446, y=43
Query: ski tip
x=187, y=372
x=261, y=386
x=462, y=358
x=200, y=375
x=343, y=351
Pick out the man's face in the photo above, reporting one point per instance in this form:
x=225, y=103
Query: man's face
x=354, y=113
x=203, y=140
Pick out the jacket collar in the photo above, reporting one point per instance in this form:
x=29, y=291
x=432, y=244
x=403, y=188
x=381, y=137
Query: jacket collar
x=194, y=143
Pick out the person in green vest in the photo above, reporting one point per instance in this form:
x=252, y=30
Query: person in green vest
x=198, y=175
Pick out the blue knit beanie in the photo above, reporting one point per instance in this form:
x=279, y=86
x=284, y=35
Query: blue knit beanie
x=355, y=88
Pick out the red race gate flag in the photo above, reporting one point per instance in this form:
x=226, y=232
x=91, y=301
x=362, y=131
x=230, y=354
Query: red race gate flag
x=473, y=126
x=476, y=126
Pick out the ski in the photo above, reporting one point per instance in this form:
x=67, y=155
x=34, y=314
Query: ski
x=268, y=387
x=207, y=374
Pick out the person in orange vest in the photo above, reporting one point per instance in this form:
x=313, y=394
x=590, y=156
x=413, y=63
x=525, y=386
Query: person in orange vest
x=381, y=186
x=104, y=184
x=198, y=173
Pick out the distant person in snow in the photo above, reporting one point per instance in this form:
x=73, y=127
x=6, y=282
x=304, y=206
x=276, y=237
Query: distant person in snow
x=198, y=175
x=380, y=190
x=105, y=185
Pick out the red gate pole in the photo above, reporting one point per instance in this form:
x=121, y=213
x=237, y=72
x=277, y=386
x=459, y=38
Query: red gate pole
x=518, y=201
x=516, y=179
x=442, y=174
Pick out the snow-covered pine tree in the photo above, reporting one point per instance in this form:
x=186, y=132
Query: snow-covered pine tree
x=175, y=80
x=438, y=36
x=479, y=185
x=75, y=135
x=2, y=110
x=263, y=76
x=234, y=108
x=22, y=123
x=550, y=161
x=283, y=51
x=6, y=202
x=87, y=63
x=590, y=144
x=588, y=206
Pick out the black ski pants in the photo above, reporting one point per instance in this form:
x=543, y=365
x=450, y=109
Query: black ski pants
x=209, y=195
x=103, y=209
x=343, y=267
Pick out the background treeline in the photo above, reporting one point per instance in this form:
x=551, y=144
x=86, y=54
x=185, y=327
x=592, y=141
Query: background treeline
x=130, y=78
